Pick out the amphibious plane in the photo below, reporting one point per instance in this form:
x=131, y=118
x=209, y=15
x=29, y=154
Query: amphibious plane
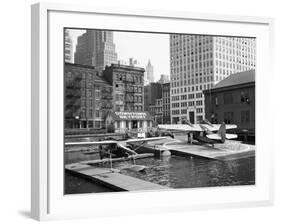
x=204, y=132
x=119, y=149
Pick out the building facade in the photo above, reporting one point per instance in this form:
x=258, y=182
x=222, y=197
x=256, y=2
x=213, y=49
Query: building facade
x=166, y=103
x=88, y=97
x=232, y=101
x=152, y=92
x=127, y=86
x=159, y=111
x=129, y=121
x=68, y=47
x=197, y=63
x=96, y=48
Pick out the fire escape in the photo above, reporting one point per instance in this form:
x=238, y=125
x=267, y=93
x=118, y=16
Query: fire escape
x=106, y=101
x=129, y=94
x=73, y=98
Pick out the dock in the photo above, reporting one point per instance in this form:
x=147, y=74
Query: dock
x=111, y=178
x=112, y=160
x=227, y=151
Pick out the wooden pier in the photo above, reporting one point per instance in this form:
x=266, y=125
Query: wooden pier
x=111, y=178
x=219, y=152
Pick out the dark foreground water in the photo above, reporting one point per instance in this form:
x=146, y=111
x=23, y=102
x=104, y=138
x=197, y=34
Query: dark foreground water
x=180, y=172
x=77, y=185
x=174, y=172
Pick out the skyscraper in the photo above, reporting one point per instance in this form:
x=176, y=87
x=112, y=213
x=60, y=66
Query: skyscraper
x=164, y=79
x=96, y=48
x=149, y=76
x=68, y=47
x=199, y=62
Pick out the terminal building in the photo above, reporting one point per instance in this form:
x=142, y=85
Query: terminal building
x=232, y=101
x=125, y=121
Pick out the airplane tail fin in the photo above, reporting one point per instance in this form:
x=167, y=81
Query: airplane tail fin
x=222, y=131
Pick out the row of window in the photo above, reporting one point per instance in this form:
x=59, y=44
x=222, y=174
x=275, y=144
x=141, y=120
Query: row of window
x=129, y=78
x=228, y=98
x=244, y=117
x=129, y=88
x=191, y=65
x=184, y=111
x=192, y=88
x=90, y=113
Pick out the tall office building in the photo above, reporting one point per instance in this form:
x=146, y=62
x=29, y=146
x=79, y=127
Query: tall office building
x=96, y=48
x=149, y=76
x=68, y=47
x=197, y=63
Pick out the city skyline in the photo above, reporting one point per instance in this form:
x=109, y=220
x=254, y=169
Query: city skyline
x=142, y=47
x=112, y=118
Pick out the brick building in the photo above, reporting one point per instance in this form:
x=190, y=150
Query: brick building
x=166, y=103
x=88, y=97
x=233, y=101
x=127, y=86
x=152, y=92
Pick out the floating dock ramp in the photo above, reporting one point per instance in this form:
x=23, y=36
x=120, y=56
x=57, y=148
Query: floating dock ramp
x=111, y=178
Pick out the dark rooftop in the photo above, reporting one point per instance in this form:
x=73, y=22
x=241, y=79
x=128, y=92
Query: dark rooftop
x=237, y=79
x=85, y=69
x=125, y=67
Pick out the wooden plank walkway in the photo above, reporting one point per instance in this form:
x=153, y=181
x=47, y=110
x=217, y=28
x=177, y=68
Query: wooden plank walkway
x=120, y=159
x=220, y=152
x=112, y=179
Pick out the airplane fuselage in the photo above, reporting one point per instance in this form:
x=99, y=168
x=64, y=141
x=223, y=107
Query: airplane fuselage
x=204, y=139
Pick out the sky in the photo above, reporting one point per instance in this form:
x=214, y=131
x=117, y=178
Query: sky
x=140, y=46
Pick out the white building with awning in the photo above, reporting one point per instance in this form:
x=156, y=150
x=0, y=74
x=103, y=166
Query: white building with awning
x=125, y=121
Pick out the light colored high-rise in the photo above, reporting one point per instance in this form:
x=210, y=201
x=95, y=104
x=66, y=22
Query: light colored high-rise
x=68, y=47
x=149, y=75
x=199, y=62
x=96, y=48
x=164, y=79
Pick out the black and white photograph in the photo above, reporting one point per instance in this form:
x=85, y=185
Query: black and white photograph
x=148, y=111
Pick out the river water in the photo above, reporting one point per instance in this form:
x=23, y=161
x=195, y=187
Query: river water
x=174, y=172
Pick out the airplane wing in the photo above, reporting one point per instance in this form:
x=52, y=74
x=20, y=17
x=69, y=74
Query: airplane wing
x=231, y=136
x=195, y=127
x=144, y=139
x=92, y=143
x=218, y=137
x=127, y=149
x=180, y=127
x=214, y=136
x=216, y=127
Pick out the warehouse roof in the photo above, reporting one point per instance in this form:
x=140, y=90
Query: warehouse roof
x=78, y=70
x=237, y=79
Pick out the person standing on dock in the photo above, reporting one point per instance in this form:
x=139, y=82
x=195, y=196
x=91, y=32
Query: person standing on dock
x=190, y=137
